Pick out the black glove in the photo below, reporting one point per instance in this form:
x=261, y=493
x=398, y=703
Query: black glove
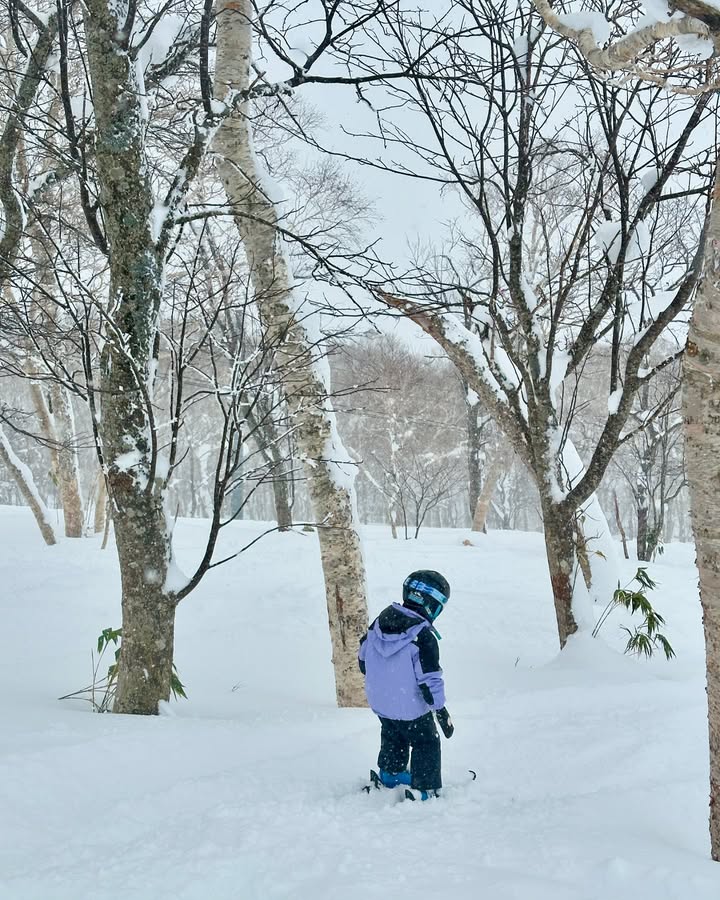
x=445, y=722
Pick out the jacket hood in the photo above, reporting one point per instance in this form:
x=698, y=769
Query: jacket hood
x=395, y=628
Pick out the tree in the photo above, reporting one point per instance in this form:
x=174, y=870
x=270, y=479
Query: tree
x=26, y=484
x=285, y=323
x=638, y=54
x=567, y=216
x=132, y=161
x=116, y=282
x=402, y=417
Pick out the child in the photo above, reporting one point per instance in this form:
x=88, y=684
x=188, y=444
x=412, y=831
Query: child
x=400, y=659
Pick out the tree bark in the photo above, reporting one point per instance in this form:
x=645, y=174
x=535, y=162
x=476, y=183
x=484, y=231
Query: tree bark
x=126, y=427
x=330, y=489
x=281, y=494
x=560, y=551
x=701, y=410
x=582, y=551
x=26, y=485
x=148, y=609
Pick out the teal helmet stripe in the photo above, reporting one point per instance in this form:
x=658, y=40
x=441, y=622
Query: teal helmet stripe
x=426, y=595
x=427, y=589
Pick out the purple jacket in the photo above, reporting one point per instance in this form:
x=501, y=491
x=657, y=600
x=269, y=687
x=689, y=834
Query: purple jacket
x=400, y=659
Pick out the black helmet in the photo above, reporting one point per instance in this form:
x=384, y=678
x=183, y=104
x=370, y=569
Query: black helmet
x=426, y=592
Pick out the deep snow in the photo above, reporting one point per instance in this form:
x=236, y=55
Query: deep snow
x=592, y=767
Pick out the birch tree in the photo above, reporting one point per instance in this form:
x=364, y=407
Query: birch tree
x=327, y=467
x=23, y=477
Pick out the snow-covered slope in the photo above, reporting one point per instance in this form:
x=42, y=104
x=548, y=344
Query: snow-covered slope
x=592, y=767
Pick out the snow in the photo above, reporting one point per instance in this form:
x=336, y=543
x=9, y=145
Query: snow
x=458, y=334
x=608, y=238
x=594, y=22
x=592, y=766
x=124, y=462
x=657, y=10
x=164, y=35
x=614, y=399
x=703, y=48
x=602, y=552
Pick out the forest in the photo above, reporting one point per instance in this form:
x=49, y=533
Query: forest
x=297, y=297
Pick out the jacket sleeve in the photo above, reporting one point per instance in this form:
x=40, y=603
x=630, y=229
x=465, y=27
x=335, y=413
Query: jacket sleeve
x=428, y=673
x=361, y=653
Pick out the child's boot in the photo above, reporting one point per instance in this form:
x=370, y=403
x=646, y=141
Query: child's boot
x=415, y=794
x=393, y=779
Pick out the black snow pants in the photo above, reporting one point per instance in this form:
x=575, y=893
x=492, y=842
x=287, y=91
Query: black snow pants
x=398, y=738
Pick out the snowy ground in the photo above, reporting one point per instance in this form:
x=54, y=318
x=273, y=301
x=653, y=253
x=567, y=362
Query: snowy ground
x=592, y=767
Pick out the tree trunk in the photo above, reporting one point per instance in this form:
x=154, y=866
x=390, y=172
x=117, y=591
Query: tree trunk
x=560, y=551
x=474, y=448
x=148, y=610
x=641, y=541
x=619, y=523
x=393, y=522
x=126, y=424
x=494, y=472
x=26, y=485
x=281, y=494
x=54, y=409
x=330, y=487
x=701, y=409
x=68, y=472
x=582, y=551
x=100, y=505
x=63, y=458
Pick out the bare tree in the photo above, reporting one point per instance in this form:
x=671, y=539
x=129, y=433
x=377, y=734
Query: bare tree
x=26, y=484
x=638, y=53
x=566, y=220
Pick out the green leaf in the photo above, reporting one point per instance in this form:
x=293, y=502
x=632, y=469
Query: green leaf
x=176, y=686
x=667, y=648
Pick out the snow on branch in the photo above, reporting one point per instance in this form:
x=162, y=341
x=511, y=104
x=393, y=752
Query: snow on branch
x=620, y=54
x=494, y=381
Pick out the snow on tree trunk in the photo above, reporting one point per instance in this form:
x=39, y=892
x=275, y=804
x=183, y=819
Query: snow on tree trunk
x=26, y=485
x=555, y=470
x=597, y=540
x=701, y=410
x=141, y=531
x=473, y=415
x=330, y=486
x=573, y=606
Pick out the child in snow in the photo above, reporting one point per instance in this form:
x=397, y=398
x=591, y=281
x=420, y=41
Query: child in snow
x=400, y=659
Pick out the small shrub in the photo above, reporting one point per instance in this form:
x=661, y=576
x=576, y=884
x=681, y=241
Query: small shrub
x=647, y=637
x=101, y=692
